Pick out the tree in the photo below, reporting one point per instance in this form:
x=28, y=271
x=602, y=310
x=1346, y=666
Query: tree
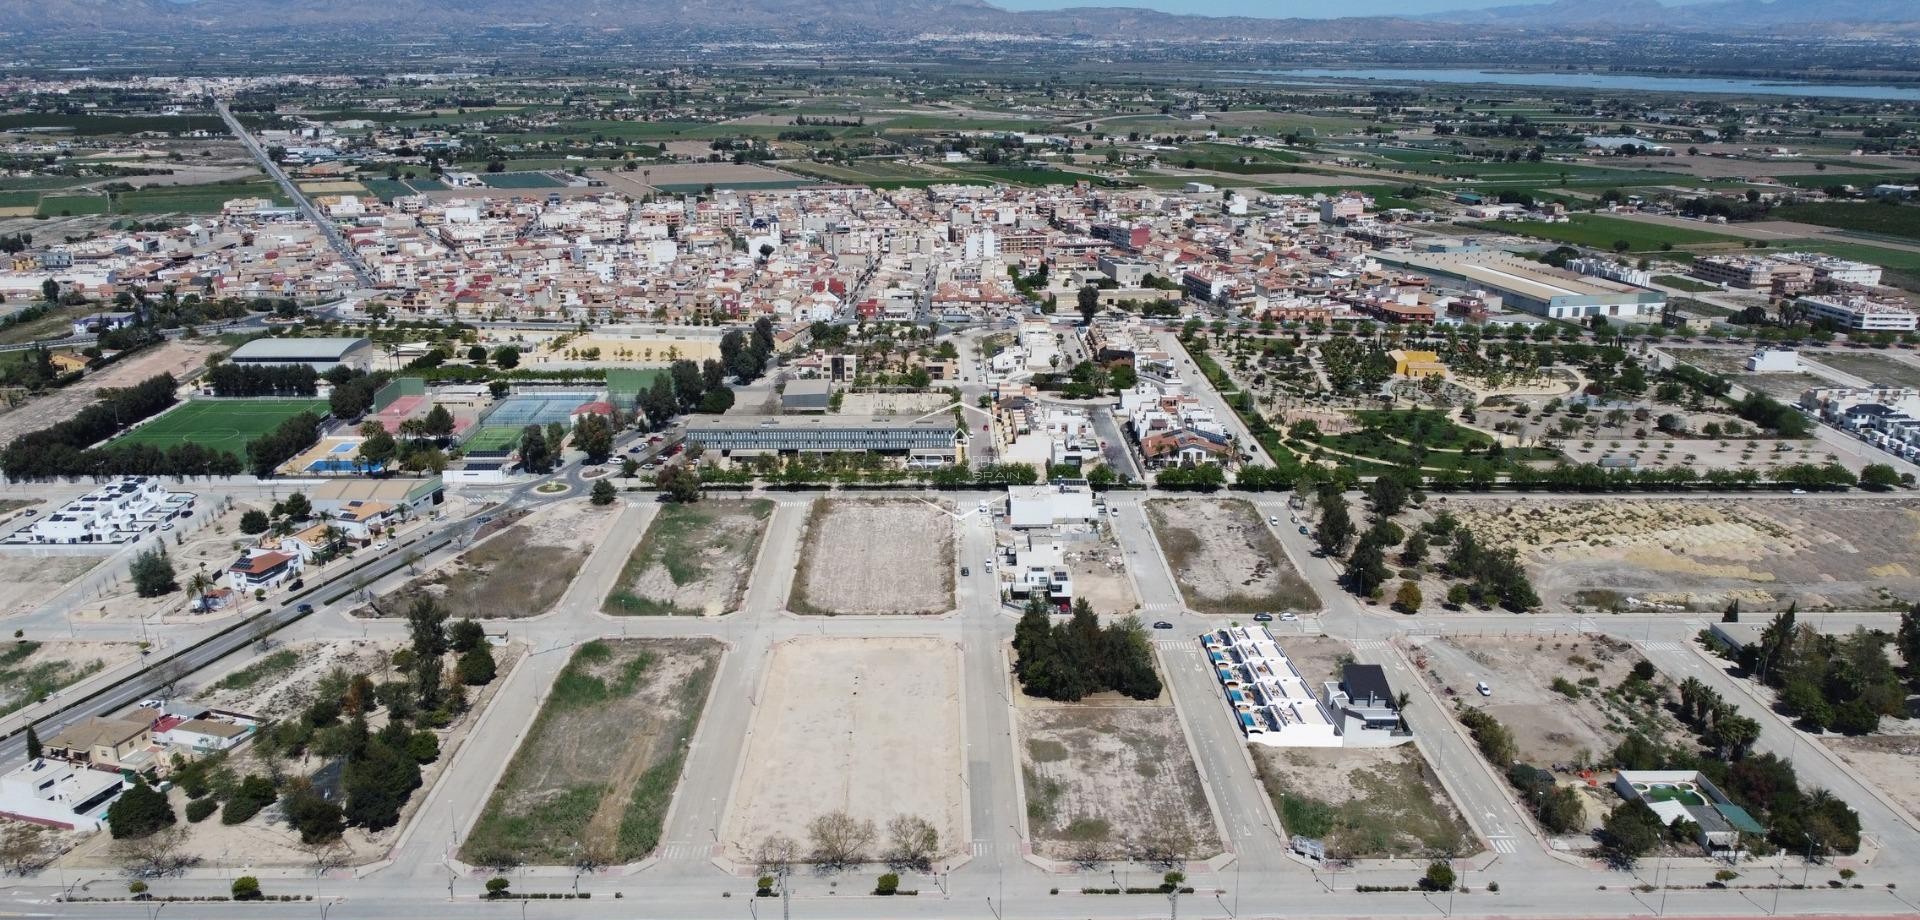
x=152, y=573
x=1458, y=594
x=1415, y=551
x=1335, y=529
x=1366, y=568
x=426, y=626
x=1879, y=477
x=1407, y=599
x=680, y=483
x=139, y=812
x=377, y=447
x=1630, y=831
x=839, y=839
x=438, y=422
x=297, y=507
x=506, y=357
x=377, y=785
x=33, y=744
x=247, y=888
x=536, y=455
x=1089, y=303
x=1439, y=877
x=317, y=819
x=497, y=887
x=1907, y=640
x=476, y=667
x=604, y=493
x=1732, y=613
x=912, y=843
x=465, y=635
x=253, y=521
x=593, y=435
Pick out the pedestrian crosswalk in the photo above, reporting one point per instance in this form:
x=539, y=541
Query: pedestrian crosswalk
x=1663, y=646
x=1173, y=643
x=982, y=848
x=1370, y=645
x=1501, y=843
x=686, y=852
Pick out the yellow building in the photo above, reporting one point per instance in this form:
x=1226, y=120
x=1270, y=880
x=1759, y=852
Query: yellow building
x=1416, y=364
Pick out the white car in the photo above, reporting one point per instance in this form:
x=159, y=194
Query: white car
x=1799, y=491
x=1289, y=617
x=1483, y=688
x=1273, y=521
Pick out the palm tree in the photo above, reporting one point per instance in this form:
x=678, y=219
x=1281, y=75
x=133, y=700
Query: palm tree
x=1400, y=708
x=199, y=584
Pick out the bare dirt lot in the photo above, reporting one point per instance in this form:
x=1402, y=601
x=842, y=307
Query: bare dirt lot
x=600, y=764
x=1099, y=571
x=1647, y=553
x=1225, y=558
x=1111, y=778
x=176, y=357
x=870, y=727
x=1549, y=726
x=519, y=571
x=870, y=556
x=892, y=403
x=1891, y=762
x=26, y=582
x=279, y=682
x=1884, y=369
x=694, y=560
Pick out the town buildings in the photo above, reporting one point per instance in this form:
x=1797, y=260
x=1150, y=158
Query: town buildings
x=121, y=511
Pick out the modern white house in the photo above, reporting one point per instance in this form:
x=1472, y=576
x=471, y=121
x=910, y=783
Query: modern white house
x=205, y=733
x=119, y=512
x=260, y=568
x=1365, y=708
x=1048, y=505
x=57, y=794
x=1270, y=700
x=1686, y=795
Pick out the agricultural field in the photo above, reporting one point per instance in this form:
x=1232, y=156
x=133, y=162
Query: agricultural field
x=1885, y=218
x=1849, y=553
x=518, y=180
x=1364, y=803
x=599, y=766
x=1224, y=557
x=875, y=557
x=695, y=560
x=1109, y=778
x=220, y=424
x=1602, y=232
x=869, y=727
x=1560, y=697
x=519, y=570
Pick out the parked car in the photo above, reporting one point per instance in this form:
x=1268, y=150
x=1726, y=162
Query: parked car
x=964, y=571
x=1273, y=521
x=1303, y=530
x=1263, y=618
x=1289, y=617
x=1162, y=624
x=1483, y=688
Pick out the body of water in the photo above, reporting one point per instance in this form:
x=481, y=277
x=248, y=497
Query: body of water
x=1605, y=81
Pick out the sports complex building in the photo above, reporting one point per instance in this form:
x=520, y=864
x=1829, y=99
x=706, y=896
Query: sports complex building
x=923, y=440
x=1536, y=288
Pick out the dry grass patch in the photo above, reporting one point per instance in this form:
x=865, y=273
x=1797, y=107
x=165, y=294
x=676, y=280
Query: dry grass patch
x=26, y=582
x=1224, y=557
x=1364, y=803
x=694, y=560
x=597, y=770
x=520, y=571
x=875, y=556
x=31, y=670
x=1108, y=782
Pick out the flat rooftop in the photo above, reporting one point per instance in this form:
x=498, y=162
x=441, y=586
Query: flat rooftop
x=937, y=421
x=1537, y=281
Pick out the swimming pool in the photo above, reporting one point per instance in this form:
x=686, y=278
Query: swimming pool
x=343, y=466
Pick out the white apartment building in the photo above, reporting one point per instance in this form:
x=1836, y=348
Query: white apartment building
x=54, y=793
x=118, y=512
x=1835, y=269
x=1614, y=271
x=1860, y=314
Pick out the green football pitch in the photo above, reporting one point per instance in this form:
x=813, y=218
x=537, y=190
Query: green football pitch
x=220, y=424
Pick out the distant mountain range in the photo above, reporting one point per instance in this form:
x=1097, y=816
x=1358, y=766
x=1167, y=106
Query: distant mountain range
x=905, y=18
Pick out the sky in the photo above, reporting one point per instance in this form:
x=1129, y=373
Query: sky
x=1314, y=9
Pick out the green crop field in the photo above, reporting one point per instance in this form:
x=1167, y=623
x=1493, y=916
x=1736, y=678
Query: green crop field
x=1878, y=217
x=696, y=188
x=1602, y=232
x=72, y=205
x=1018, y=176
x=220, y=424
x=100, y=125
x=193, y=199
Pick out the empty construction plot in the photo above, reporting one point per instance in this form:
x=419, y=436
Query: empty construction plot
x=875, y=557
x=869, y=727
x=1821, y=552
x=1363, y=803
x=519, y=571
x=1224, y=557
x=598, y=768
x=694, y=560
x=1109, y=778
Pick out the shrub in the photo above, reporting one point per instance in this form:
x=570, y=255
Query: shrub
x=497, y=887
x=247, y=888
x=1439, y=877
x=887, y=885
x=199, y=809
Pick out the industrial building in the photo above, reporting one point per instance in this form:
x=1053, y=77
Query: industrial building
x=931, y=439
x=1536, y=288
x=321, y=354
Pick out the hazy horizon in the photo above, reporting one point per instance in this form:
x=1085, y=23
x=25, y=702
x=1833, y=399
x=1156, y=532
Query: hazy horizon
x=1283, y=9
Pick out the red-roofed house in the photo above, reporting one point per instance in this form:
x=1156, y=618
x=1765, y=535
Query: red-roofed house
x=262, y=569
x=597, y=407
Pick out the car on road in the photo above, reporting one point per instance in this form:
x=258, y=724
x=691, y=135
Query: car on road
x=305, y=608
x=1303, y=530
x=988, y=565
x=1162, y=624
x=167, y=526
x=1483, y=688
x=152, y=704
x=1263, y=618
x=965, y=571
x=1273, y=521
x=1289, y=617
x=1799, y=491
x=1114, y=511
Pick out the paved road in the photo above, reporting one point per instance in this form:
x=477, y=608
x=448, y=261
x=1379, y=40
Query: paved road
x=299, y=198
